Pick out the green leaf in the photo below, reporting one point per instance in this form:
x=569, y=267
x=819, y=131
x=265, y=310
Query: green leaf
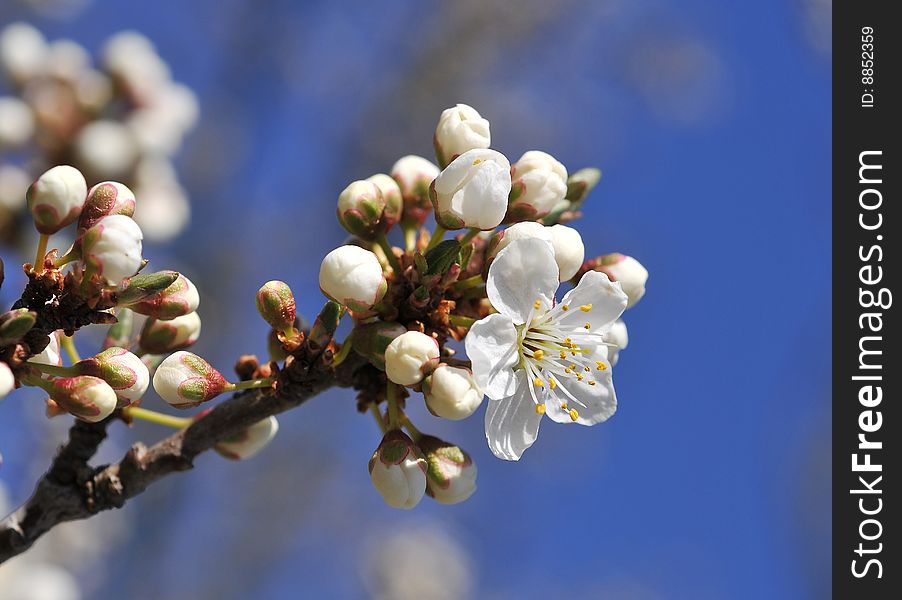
x=440, y=258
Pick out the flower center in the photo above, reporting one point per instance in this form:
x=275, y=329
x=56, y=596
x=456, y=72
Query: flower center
x=556, y=348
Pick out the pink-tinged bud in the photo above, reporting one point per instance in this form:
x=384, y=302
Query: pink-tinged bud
x=451, y=392
x=371, y=341
x=185, y=380
x=105, y=199
x=414, y=175
x=360, y=208
x=88, y=398
x=539, y=185
x=122, y=370
x=112, y=248
x=249, y=442
x=625, y=269
x=56, y=198
x=394, y=204
x=398, y=471
x=177, y=300
x=410, y=357
x=7, y=380
x=352, y=277
x=163, y=337
x=277, y=306
x=450, y=472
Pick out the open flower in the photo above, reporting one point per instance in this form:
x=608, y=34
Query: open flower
x=536, y=357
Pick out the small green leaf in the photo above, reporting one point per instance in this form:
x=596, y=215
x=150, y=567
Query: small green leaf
x=440, y=258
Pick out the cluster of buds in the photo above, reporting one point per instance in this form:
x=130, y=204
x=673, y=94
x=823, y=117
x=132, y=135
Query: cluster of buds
x=123, y=118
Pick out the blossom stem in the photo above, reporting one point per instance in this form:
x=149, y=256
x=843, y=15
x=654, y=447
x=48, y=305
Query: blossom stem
x=461, y=321
x=344, y=351
x=68, y=344
x=377, y=414
x=152, y=416
x=54, y=370
x=410, y=237
x=394, y=413
x=469, y=236
x=41, y=252
x=250, y=384
x=469, y=282
x=437, y=237
x=476, y=292
x=389, y=253
x=415, y=433
x=65, y=259
x=35, y=381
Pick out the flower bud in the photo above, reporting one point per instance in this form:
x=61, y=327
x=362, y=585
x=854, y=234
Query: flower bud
x=16, y=122
x=360, y=207
x=250, y=441
x=122, y=370
x=88, y=398
x=23, y=51
x=414, y=175
x=472, y=191
x=324, y=326
x=398, y=471
x=569, y=251
x=451, y=392
x=371, y=341
x=180, y=298
x=163, y=337
x=185, y=380
x=105, y=199
x=56, y=198
x=112, y=248
x=517, y=231
x=50, y=355
x=7, y=380
x=391, y=193
x=539, y=184
x=277, y=306
x=450, y=472
x=106, y=148
x=352, y=277
x=460, y=129
x=16, y=323
x=618, y=339
x=410, y=357
x=625, y=269
x=120, y=333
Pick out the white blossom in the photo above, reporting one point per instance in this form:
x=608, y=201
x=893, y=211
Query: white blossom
x=398, y=471
x=56, y=198
x=451, y=392
x=161, y=337
x=185, y=380
x=539, y=184
x=7, y=380
x=460, y=129
x=569, y=251
x=629, y=272
x=87, y=397
x=472, y=191
x=23, y=51
x=353, y=277
x=410, y=357
x=249, y=442
x=536, y=357
x=106, y=148
x=450, y=473
x=112, y=248
x=16, y=122
x=617, y=339
x=122, y=370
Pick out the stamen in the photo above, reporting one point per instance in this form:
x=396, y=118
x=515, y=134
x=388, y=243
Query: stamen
x=563, y=355
x=538, y=382
x=540, y=409
x=591, y=382
x=574, y=415
x=563, y=406
x=552, y=383
x=537, y=304
x=565, y=307
x=586, y=307
x=600, y=365
x=588, y=326
x=538, y=354
x=587, y=369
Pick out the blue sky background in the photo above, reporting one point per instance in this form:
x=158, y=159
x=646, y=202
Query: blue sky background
x=711, y=123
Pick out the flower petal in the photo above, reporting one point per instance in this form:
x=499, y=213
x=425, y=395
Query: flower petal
x=512, y=424
x=593, y=404
x=605, y=297
x=492, y=348
x=523, y=272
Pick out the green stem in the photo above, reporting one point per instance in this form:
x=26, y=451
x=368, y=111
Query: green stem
x=477, y=292
x=71, y=256
x=344, y=351
x=68, y=344
x=36, y=381
x=394, y=411
x=461, y=321
x=250, y=384
x=377, y=414
x=389, y=254
x=54, y=370
x=410, y=237
x=41, y=252
x=152, y=416
x=469, y=282
x=469, y=236
x=437, y=237
x=415, y=433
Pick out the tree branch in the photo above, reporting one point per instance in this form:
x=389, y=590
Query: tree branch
x=72, y=490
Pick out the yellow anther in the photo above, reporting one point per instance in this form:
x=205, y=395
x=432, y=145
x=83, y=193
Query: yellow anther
x=540, y=409
x=600, y=365
x=587, y=369
x=588, y=326
x=565, y=307
x=538, y=354
x=568, y=370
x=477, y=161
x=537, y=304
x=552, y=383
x=538, y=382
x=586, y=307
x=591, y=382
x=579, y=377
x=563, y=355
x=573, y=353
x=563, y=406
x=573, y=414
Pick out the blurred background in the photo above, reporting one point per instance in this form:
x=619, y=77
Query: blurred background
x=711, y=124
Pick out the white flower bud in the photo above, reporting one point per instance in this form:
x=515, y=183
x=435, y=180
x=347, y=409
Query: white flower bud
x=472, y=191
x=414, y=175
x=249, y=442
x=106, y=148
x=164, y=210
x=16, y=122
x=89, y=398
x=451, y=392
x=67, y=60
x=360, y=207
x=185, y=380
x=628, y=271
x=7, y=380
x=539, y=184
x=122, y=370
x=162, y=337
x=177, y=300
x=352, y=277
x=450, y=472
x=518, y=231
x=618, y=337
x=410, y=357
x=391, y=193
x=112, y=248
x=398, y=471
x=50, y=355
x=13, y=183
x=56, y=198
x=23, y=51
x=569, y=251
x=460, y=129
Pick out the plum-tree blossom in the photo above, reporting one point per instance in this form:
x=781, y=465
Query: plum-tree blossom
x=536, y=357
x=450, y=472
x=360, y=207
x=566, y=243
x=122, y=370
x=161, y=337
x=410, y=357
x=451, y=392
x=539, y=184
x=56, y=198
x=105, y=199
x=249, y=442
x=472, y=191
x=177, y=300
x=88, y=398
x=460, y=128
x=617, y=339
x=185, y=380
x=352, y=277
x=398, y=471
x=414, y=174
x=112, y=248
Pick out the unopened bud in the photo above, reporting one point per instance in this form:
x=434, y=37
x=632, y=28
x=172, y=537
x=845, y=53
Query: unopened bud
x=625, y=269
x=141, y=287
x=7, y=380
x=112, y=248
x=450, y=472
x=180, y=298
x=360, y=207
x=185, y=380
x=277, y=306
x=352, y=277
x=539, y=184
x=50, y=355
x=56, y=198
x=16, y=323
x=569, y=251
x=120, y=333
x=398, y=471
x=460, y=129
x=581, y=183
x=163, y=337
x=325, y=325
x=88, y=398
x=414, y=175
x=618, y=338
x=391, y=194
x=371, y=341
x=249, y=442
x=410, y=357
x=451, y=392
x=472, y=191
x=16, y=122
x=105, y=199
x=122, y=370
